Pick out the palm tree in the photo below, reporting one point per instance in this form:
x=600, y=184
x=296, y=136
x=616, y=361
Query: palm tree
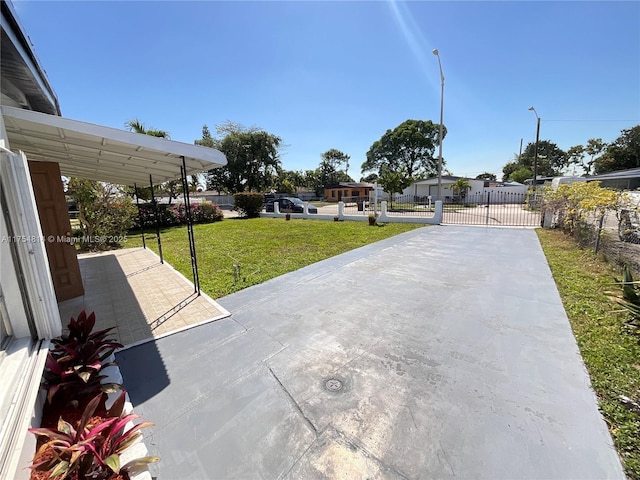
x=138, y=127
x=172, y=187
x=460, y=187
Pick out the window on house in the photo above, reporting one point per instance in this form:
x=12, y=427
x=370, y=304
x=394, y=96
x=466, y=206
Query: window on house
x=345, y=193
x=333, y=193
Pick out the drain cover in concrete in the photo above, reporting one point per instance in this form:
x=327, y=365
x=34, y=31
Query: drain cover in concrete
x=333, y=385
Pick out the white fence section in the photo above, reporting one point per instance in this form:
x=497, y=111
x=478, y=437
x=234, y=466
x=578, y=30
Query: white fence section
x=383, y=214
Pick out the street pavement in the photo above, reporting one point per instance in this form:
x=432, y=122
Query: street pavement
x=443, y=352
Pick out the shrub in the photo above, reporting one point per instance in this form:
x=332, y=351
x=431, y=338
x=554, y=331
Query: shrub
x=104, y=212
x=209, y=212
x=575, y=207
x=205, y=212
x=249, y=204
x=176, y=214
x=180, y=212
x=146, y=213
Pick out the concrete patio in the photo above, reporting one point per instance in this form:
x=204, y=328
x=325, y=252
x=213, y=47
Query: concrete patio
x=444, y=352
x=144, y=299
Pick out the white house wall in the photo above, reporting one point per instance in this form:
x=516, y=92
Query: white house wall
x=516, y=189
x=477, y=190
x=22, y=361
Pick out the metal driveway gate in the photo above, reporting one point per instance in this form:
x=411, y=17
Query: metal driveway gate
x=493, y=208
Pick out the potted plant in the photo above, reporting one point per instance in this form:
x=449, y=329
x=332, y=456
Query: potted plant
x=73, y=367
x=92, y=448
x=79, y=436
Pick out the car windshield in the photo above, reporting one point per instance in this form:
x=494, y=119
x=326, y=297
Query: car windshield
x=296, y=201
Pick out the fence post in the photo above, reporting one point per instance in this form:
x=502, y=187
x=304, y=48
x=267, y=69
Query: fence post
x=599, y=233
x=488, y=203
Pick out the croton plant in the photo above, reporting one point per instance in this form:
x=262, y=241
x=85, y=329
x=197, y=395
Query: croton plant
x=92, y=447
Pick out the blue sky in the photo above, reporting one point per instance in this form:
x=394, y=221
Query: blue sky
x=327, y=75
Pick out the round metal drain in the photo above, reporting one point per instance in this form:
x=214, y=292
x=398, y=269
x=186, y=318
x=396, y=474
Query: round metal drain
x=333, y=385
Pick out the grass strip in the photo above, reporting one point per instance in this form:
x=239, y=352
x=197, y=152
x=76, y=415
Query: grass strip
x=611, y=352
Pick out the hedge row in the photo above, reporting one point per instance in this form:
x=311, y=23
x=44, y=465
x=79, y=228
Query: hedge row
x=172, y=215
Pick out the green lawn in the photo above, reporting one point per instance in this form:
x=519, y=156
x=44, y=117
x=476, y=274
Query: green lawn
x=263, y=247
x=610, y=350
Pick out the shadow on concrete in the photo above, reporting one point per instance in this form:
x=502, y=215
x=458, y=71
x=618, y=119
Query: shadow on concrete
x=144, y=365
x=109, y=295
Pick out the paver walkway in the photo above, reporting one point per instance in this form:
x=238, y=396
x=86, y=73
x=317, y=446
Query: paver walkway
x=444, y=352
x=144, y=299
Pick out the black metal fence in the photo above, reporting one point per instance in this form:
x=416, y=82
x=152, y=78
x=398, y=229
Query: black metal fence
x=358, y=205
x=488, y=208
x=494, y=208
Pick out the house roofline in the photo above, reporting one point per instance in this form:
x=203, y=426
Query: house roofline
x=8, y=11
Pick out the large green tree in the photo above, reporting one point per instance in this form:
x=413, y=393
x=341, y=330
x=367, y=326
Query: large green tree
x=595, y=146
x=371, y=178
x=622, y=153
x=576, y=154
x=253, y=158
x=329, y=171
x=393, y=181
x=288, y=181
x=332, y=160
x=408, y=148
x=551, y=161
x=487, y=176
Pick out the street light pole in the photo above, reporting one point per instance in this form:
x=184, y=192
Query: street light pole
x=535, y=151
x=440, y=136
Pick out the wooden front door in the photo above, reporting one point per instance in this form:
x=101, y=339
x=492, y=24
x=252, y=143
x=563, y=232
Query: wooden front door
x=54, y=220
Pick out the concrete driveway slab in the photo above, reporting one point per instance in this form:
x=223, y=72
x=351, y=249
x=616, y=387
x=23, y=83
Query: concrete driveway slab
x=443, y=352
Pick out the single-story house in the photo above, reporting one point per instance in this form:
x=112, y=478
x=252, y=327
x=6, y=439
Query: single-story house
x=540, y=181
x=621, y=180
x=628, y=179
x=37, y=146
x=429, y=187
x=335, y=193
x=422, y=189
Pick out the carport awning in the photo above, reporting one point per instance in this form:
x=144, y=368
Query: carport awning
x=102, y=153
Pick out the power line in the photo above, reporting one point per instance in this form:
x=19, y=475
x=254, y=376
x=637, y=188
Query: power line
x=583, y=120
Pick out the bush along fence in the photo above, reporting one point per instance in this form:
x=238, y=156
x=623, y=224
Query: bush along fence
x=174, y=215
x=599, y=218
x=87, y=428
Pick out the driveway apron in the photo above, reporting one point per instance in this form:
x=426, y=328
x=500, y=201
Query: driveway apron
x=444, y=352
